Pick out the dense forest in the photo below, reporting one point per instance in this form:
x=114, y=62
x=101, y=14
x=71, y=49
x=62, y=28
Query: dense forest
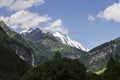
x=72, y=69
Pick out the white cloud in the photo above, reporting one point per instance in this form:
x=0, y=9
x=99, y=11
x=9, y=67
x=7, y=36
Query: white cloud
x=24, y=19
x=24, y=4
x=6, y=3
x=20, y=4
x=57, y=26
x=111, y=13
x=91, y=18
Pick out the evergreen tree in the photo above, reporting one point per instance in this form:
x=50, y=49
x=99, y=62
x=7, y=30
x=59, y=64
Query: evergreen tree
x=92, y=76
x=57, y=56
x=58, y=69
x=113, y=70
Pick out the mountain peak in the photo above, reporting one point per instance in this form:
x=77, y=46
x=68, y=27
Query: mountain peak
x=67, y=40
x=37, y=34
x=33, y=34
x=26, y=31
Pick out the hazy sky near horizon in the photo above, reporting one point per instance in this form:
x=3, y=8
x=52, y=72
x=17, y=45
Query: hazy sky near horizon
x=90, y=22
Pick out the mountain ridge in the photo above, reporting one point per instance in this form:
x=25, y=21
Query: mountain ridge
x=23, y=51
x=12, y=67
x=41, y=48
x=67, y=40
x=44, y=45
x=98, y=56
x=47, y=41
x=62, y=38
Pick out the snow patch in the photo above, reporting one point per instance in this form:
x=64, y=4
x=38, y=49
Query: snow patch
x=26, y=31
x=69, y=41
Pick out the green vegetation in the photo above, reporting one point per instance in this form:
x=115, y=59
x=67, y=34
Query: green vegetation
x=11, y=66
x=60, y=69
x=98, y=57
x=92, y=76
x=113, y=70
x=45, y=48
x=101, y=71
x=8, y=31
x=68, y=69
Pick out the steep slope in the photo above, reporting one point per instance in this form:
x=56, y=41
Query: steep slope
x=36, y=47
x=12, y=67
x=51, y=43
x=25, y=52
x=28, y=50
x=67, y=40
x=46, y=45
x=37, y=34
x=34, y=35
x=98, y=57
x=27, y=31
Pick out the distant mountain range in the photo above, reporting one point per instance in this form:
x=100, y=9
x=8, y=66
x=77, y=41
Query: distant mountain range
x=47, y=44
x=35, y=47
x=37, y=34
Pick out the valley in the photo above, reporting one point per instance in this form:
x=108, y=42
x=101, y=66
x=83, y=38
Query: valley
x=36, y=47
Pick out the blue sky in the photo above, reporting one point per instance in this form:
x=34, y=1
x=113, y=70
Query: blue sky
x=90, y=22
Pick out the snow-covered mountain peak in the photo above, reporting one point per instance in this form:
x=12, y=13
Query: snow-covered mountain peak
x=67, y=40
x=63, y=38
x=26, y=31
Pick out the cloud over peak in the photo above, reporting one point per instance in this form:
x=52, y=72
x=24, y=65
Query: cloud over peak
x=6, y=3
x=111, y=13
x=24, y=19
x=56, y=26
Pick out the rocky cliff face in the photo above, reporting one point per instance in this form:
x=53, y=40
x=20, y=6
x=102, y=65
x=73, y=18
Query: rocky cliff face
x=19, y=48
x=99, y=56
x=46, y=44
x=24, y=53
x=12, y=67
x=102, y=53
x=37, y=35
x=34, y=35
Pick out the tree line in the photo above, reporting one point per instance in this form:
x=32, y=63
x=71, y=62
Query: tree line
x=71, y=69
